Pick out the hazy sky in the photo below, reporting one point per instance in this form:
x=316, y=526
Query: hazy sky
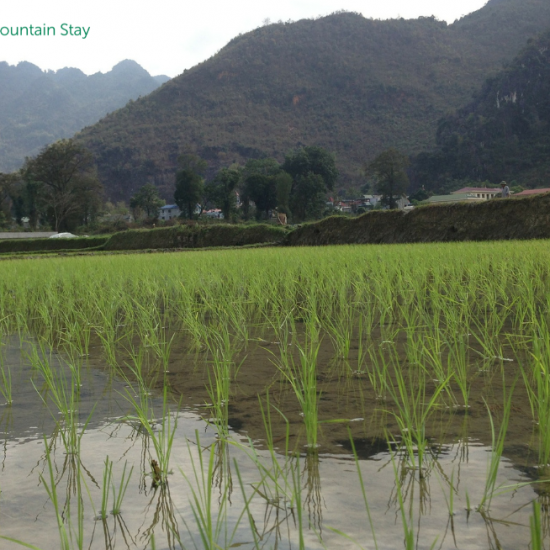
x=167, y=36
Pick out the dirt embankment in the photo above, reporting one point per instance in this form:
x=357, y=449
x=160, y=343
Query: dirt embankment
x=501, y=219
x=195, y=236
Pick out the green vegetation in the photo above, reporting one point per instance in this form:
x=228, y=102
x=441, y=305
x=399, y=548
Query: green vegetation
x=60, y=186
x=189, y=184
x=14, y=246
x=146, y=200
x=433, y=337
x=503, y=134
x=390, y=172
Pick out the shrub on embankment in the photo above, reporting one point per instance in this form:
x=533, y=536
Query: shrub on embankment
x=515, y=218
x=195, y=236
x=13, y=246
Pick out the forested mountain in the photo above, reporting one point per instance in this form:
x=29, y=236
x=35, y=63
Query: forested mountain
x=38, y=107
x=504, y=133
x=352, y=85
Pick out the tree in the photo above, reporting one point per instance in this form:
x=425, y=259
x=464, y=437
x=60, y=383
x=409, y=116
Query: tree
x=260, y=185
x=283, y=184
x=309, y=197
x=61, y=183
x=221, y=190
x=312, y=160
x=390, y=170
x=313, y=172
x=8, y=191
x=189, y=184
x=147, y=199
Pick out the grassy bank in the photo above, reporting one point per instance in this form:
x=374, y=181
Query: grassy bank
x=520, y=218
x=181, y=236
x=196, y=236
x=14, y=246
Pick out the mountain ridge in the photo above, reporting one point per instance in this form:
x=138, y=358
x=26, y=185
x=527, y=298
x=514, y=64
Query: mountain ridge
x=352, y=85
x=38, y=107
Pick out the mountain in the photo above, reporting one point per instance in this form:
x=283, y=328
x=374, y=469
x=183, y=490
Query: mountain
x=352, y=85
x=503, y=134
x=38, y=107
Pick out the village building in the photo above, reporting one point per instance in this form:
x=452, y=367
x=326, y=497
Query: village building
x=169, y=212
x=481, y=193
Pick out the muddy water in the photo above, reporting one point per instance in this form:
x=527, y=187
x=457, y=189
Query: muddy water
x=330, y=488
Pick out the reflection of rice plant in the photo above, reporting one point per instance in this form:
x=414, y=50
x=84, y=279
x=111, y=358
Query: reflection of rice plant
x=210, y=519
x=5, y=384
x=161, y=433
x=414, y=407
x=64, y=391
x=497, y=448
x=70, y=536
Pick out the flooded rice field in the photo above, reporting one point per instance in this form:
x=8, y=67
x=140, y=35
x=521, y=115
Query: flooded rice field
x=351, y=397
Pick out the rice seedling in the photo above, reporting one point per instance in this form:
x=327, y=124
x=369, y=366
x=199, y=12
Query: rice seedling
x=302, y=377
x=120, y=491
x=222, y=352
x=107, y=480
x=414, y=407
x=210, y=520
x=424, y=320
x=537, y=383
x=161, y=430
x=536, y=529
x=497, y=448
x=117, y=492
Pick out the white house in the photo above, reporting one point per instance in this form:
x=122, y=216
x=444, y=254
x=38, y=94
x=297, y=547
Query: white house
x=169, y=211
x=481, y=193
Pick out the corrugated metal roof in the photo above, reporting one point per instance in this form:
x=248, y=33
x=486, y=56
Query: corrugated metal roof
x=456, y=197
x=532, y=192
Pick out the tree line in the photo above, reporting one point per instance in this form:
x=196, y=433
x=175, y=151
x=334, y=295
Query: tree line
x=59, y=187
x=297, y=187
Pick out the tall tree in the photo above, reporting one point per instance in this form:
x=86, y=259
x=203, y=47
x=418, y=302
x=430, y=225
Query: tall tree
x=62, y=182
x=283, y=184
x=147, y=199
x=189, y=184
x=260, y=185
x=312, y=160
x=222, y=190
x=309, y=197
x=313, y=171
x=390, y=170
x=8, y=192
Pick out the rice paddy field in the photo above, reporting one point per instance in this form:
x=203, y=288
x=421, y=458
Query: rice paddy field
x=370, y=397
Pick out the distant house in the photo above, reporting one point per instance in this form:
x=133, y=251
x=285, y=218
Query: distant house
x=169, y=211
x=213, y=213
x=528, y=192
x=481, y=193
x=455, y=197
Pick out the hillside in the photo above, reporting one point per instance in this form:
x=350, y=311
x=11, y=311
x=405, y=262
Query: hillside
x=504, y=133
x=352, y=85
x=38, y=107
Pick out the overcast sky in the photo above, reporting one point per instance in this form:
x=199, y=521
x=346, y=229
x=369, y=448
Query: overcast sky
x=167, y=36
